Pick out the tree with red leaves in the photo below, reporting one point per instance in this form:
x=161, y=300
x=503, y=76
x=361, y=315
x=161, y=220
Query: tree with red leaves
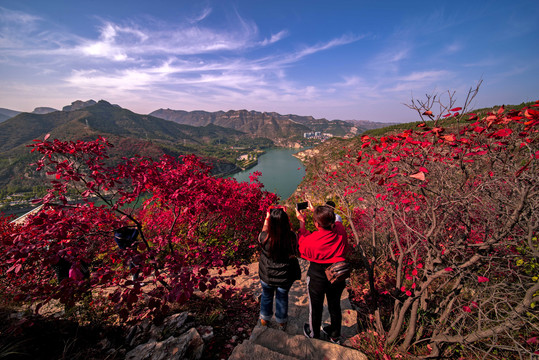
x=187, y=222
x=445, y=221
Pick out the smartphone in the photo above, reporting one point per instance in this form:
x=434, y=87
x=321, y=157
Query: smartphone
x=302, y=205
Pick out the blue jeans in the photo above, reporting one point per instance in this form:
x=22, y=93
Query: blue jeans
x=281, y=302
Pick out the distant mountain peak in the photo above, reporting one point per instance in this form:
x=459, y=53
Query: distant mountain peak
x=43, y=110
x=78, y=104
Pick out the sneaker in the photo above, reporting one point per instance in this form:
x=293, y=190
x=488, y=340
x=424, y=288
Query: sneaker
x=282, y=326
x=263, y=322
x=307, y=331
x=326, y=330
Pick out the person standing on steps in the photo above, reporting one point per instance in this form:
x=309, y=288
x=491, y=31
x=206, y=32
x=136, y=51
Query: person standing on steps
x=331, y=204
x=278, y=266
x=323, y=247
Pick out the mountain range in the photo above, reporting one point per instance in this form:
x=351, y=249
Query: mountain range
x=257, y=123
x=215, y=136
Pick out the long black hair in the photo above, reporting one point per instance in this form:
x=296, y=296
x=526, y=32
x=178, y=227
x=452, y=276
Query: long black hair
x=282, y=240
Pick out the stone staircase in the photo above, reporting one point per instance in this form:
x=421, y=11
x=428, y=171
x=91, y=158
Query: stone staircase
x=271, y=343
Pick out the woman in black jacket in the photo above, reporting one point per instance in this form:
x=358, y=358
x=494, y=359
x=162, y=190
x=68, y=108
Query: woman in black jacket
x=278, y=266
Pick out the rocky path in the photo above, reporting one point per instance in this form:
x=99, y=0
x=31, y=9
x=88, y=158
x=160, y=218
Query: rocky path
x=270, y=343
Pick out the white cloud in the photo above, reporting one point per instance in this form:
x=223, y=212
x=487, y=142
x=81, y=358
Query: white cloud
x=18, y=17
x=203, y=15
x=453, y=48
x=275, y=38
x=425, y=76
x=343, y=40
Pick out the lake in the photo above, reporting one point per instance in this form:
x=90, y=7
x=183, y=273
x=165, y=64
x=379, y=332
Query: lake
x=281, y=171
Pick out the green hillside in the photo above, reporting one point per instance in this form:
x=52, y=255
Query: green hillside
x=131, y=134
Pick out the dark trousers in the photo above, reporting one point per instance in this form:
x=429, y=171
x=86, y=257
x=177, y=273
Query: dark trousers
x=320, y=288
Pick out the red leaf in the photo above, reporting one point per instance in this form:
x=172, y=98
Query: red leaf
x=428, y=112
x=15, y=268
x=503, y=133
x=449, y=138
x=531, y=114
x=456, y=109
x=448, y=269
x=482, y=279
x=46, y=137
x=419, y=175
x=467, y=309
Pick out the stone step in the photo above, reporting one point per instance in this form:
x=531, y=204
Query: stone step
x=247, y=350
x=268, y=343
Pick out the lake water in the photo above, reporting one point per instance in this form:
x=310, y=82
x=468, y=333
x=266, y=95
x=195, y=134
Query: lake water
x=281, y=172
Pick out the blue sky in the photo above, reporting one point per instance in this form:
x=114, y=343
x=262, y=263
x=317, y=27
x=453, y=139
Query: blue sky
x=334, y=59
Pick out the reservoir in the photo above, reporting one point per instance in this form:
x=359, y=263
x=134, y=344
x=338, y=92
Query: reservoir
x=281, y=172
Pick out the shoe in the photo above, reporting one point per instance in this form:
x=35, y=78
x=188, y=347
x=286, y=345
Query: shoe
x=282, y=326
x=263, y=322
x=307, y=331
x=326, y=330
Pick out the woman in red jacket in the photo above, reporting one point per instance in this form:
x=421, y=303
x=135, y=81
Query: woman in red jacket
x=325, y=246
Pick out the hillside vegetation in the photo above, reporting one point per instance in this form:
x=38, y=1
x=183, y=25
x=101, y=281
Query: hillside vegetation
x=444, y=214
x=130, y=133
x=444, y=221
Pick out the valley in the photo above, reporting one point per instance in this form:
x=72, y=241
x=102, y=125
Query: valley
x=230, y=141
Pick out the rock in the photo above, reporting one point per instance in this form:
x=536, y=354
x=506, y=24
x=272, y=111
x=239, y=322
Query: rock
x=105, y=344
x=188, y=346
x=174, y=325
x=138, y=334
x=206, y=332
x=132, y=334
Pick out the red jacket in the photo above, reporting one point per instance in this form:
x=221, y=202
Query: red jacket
x=324, y=246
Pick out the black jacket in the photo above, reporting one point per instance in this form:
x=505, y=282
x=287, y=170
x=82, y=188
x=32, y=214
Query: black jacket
x=281, y=272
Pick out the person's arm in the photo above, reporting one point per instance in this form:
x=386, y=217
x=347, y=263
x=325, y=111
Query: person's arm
x=265, y=227
x=301, y=219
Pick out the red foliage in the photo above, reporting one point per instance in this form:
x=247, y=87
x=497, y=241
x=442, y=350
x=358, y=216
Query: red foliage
x=188, y=221
x=452, y=210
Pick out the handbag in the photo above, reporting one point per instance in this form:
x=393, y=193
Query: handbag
x=338, y=271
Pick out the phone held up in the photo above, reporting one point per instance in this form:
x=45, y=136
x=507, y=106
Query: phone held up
x=302, y=205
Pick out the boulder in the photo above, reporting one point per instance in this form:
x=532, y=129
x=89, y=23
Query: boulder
x=187, y=346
